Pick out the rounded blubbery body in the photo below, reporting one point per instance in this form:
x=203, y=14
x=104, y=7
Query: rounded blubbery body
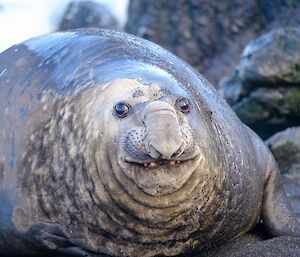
x=114, y=146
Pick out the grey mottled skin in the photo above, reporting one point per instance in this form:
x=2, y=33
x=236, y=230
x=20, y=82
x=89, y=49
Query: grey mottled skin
x=75, y=179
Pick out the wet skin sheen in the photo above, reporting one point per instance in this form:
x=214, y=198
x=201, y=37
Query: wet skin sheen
x=112, y=145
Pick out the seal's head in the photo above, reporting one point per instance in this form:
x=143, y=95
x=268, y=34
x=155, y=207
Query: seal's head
x=151, y=130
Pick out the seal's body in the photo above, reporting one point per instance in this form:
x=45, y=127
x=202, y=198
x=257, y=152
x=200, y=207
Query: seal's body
x=111, y=145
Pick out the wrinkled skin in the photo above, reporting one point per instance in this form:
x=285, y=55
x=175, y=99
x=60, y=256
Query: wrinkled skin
x=176, y=172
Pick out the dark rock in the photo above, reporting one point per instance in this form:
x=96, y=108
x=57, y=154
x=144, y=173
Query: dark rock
x=264, y=89
x=88, y=14
x=285, y=146
x=210, y=35
x=272, y=58
x=197, y=30
x=281, y=12
x=291, y=187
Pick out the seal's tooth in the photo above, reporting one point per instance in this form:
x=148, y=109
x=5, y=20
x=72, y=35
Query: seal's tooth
x=178, y=161
x=152, y=164
x=172, y=162
x=145, y=165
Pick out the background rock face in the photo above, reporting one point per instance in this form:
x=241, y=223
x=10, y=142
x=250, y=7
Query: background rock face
x=264, y=89
x=210, y=35
x=81, y=14
x=286, y=149
x=285, y=146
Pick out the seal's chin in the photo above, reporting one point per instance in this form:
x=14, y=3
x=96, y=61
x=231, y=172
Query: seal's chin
x=160, y=176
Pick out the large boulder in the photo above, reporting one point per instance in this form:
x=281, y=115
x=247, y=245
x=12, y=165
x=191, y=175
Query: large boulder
x=209, y=34
x=264, y=89
x=85, y=13
x=285, y=146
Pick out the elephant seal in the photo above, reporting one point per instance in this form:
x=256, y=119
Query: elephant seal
x=110, y=145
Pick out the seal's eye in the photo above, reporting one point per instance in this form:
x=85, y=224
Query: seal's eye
x=121, y=109
x=183, y=104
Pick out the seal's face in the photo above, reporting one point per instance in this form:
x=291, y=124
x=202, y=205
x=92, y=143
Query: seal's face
x=154, y=141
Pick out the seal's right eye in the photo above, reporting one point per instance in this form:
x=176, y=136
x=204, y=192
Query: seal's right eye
x=121, y=109
x=183, y=104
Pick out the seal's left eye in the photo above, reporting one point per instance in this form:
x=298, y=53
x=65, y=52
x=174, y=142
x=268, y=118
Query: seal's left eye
x=184, y=105
x=121, y=109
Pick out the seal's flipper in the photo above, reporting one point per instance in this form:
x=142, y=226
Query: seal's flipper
x=277, y=213
x=53, y=239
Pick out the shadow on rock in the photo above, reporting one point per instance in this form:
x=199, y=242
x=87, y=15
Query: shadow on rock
x=264, y=89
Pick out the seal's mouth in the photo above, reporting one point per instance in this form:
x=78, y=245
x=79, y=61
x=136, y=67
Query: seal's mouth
x=149, y=163
x=158, y=177
x=145, y=161
x=152, y=164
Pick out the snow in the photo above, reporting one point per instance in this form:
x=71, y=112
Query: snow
x=23, y=19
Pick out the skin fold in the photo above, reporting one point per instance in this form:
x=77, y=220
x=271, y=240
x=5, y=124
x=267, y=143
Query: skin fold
x=111, y=146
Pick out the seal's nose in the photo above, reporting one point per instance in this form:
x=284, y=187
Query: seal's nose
x=160, y=151
x=163, y=138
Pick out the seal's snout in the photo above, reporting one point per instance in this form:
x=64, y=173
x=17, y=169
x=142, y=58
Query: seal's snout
x=163, y=139
x=160, y=151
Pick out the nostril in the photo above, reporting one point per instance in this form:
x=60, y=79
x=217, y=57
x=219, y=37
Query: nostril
x=153, y=152
x=179, y=152
x=160, y=151
x=175, y=155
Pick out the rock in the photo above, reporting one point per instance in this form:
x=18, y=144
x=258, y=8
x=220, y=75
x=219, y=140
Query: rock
x=285, y=146
x=264, y=89
x=88, y=14
x=210, y=35
x=291, y=187
x=272, y=58
x=197, y=31
x=281, y=13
